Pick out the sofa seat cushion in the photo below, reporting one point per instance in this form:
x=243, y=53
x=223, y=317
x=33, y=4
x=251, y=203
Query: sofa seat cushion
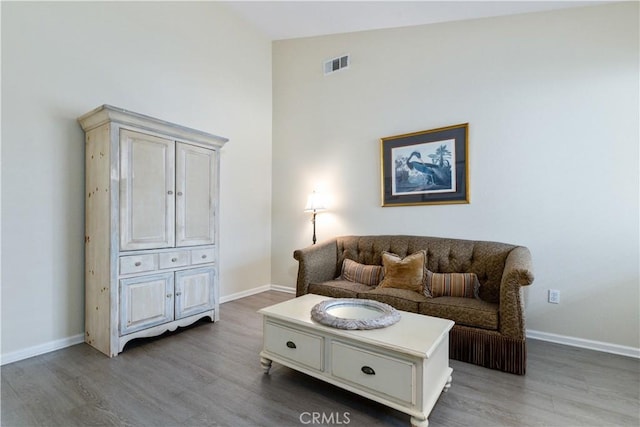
x=401, y=299
x=463, y=311
x=338, y=288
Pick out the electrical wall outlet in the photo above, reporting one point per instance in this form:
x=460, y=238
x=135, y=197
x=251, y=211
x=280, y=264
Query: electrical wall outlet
x=554, y=296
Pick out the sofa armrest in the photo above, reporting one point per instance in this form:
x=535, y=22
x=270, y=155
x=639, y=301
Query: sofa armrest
x=316, y=264
x=517, y=273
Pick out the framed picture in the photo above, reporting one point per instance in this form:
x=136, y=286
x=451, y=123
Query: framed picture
x=426, y=168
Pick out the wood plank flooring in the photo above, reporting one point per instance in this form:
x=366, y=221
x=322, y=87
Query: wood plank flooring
x=210, y=375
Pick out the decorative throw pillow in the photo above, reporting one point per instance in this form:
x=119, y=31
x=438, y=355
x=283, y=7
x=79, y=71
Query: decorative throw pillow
x=464, y=285
x=404, y=273
x=366, y=274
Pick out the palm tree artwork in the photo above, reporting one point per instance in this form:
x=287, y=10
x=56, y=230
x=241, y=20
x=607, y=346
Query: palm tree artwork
x=441, y=155
x=424, y=168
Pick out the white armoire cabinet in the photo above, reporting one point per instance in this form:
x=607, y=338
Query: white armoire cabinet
x=151, y=243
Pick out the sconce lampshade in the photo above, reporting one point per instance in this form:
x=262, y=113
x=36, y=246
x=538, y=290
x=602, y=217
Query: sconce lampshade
x=316, y=202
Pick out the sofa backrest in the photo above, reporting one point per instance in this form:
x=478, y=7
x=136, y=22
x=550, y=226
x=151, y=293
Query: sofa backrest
x=485, y=259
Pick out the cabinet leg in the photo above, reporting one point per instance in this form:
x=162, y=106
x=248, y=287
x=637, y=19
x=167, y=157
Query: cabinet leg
x=419, y=423
x=266, y=364
x=447, y=386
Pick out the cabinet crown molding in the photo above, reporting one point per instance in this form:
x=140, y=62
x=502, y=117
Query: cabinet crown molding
x=108, y=113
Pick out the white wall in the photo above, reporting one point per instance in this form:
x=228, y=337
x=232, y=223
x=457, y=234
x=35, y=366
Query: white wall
x=552, y=105
x=194, y=64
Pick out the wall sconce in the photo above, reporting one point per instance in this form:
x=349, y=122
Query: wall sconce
x=316, y=202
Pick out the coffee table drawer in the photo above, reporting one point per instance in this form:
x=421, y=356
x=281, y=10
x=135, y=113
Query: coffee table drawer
x=297, y=346
x=376, y=372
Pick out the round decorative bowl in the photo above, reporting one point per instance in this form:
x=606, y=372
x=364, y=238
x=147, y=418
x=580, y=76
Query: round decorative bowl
x=354, y=313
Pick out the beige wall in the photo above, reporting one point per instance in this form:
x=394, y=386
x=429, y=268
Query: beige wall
x=552, y=102
x=552, y=105
x=194, y=64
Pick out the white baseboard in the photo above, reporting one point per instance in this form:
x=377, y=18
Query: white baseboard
x=286, y=289
x=583, y=343
x=537, y=335
x=257, y=290
x=246, y=293
x=37, y=350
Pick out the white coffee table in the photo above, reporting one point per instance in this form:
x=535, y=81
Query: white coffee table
x=404, y=366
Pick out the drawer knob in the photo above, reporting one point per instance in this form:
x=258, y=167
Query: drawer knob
x=291, y=344
x=203, y=256
x=174, y=259
x=368, y=370
x=138, y=264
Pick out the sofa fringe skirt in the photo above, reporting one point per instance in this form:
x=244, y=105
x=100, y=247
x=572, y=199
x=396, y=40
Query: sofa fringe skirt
x=488, y=349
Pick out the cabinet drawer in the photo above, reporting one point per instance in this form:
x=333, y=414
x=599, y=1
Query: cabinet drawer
x=202, y=256
x=173, y=259
x=379, y=373
x=300, y=347
x=138, y=263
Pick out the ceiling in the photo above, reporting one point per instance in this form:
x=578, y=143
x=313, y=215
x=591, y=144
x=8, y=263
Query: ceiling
x=294, y=19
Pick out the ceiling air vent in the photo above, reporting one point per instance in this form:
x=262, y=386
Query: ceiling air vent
x=336, y=64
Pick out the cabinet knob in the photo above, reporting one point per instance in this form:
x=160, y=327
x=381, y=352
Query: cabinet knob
x=291, y=344
x=179, y=193
x=169, y=192
x=178, y=294
x=174, y=259
x=138, y=264
x=203, y=256
x=168, y=295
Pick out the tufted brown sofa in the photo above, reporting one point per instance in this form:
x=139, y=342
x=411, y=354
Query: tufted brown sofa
x=489, y=331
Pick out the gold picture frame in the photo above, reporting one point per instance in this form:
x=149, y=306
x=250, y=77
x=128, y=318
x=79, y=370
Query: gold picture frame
x=429, y=167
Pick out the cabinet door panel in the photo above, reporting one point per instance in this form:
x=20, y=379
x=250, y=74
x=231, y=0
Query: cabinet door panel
x=147, y=214
x=195, y=195
x=194, y=291
x=145, y=301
